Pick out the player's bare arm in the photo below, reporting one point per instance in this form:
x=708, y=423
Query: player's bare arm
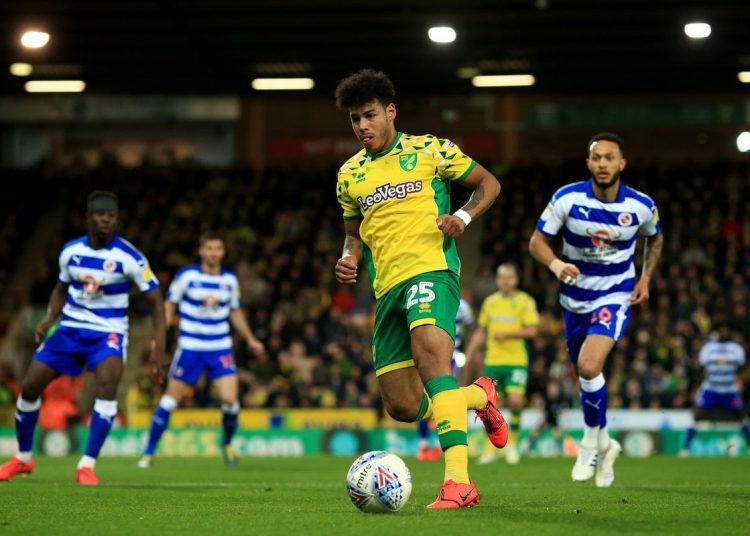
x=346, y=266
x=651, y=254
x=540, y=249
x=57, y=300
x=476, y=342
x=486, y=189
x=170, y=310
x=239, y=322
x=159, y=359
x=526, y=332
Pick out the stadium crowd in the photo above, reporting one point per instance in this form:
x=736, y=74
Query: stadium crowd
x=284, y=233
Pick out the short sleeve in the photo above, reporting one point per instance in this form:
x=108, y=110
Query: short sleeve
x=141, y=274
x=177, y=288
x=652, y=224
x=234, y=299
x=529, y=313
x=704, y=355
x=484, y=316
x=349, y=206
x=553, y=217
x=63, y=261
x=451, y=163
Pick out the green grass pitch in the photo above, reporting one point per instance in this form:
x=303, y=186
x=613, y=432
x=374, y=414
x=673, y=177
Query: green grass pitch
x=300, y=496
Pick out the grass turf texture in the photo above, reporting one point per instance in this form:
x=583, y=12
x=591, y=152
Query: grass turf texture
x=303, y=496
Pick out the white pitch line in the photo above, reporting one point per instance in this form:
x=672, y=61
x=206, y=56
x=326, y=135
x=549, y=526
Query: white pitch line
x=282, y=485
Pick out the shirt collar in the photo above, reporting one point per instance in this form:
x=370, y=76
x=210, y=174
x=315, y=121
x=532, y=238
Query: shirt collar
x=373, y=156
x=620, y=191
x=108, y=245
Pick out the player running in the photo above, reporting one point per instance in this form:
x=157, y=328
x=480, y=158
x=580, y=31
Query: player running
x=96, y=273
x=396, y=206
x=600, y=220
x=427, y=450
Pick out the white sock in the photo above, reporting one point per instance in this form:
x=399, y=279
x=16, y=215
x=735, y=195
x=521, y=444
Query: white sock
x=25, y=406
x=167, y=403
x=590, y=437
x=603, y=438
x=25, y=457
x=86, y=461
x=232, y=409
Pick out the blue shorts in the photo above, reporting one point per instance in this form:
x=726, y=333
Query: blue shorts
x=706, y=399
x=68, y=350
x=607, y=320
x=188, y=365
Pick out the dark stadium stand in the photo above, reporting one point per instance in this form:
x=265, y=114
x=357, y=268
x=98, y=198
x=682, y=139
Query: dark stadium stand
x=284, y=234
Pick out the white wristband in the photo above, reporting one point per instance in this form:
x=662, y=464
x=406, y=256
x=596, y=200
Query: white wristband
x=462, y=215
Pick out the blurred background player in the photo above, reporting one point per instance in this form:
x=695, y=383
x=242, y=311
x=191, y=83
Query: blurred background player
x=508, y=318
x=207, y=298
x=721, y=359
x=429, y=447
x=395, y=196
x=600, y=220
x=96, y=273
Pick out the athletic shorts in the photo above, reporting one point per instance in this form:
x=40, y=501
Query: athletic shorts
x=188, y=365
x=427, y=299
x=68, y=350
x=608, y=320
x=706, y=399
x=509, y=378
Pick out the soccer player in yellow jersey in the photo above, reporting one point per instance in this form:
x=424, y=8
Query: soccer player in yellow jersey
x=395, y=198
x=507, y=319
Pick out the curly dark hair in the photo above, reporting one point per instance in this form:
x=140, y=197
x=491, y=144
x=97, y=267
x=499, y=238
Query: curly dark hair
x=362, y=87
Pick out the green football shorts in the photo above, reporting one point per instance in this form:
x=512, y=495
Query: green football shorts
x=429, y=298
x=510, y=378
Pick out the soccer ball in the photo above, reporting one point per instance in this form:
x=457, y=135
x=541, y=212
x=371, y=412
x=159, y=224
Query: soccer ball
x=379, y=481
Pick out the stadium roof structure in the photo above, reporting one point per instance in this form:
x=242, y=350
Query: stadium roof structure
x=220, y=46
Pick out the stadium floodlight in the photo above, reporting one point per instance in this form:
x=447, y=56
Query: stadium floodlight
x=743, y=142
x=55, y=86
x=744, y=77
x=441, y=34
x=21, y=69
x=283, y=84
x=697, y=30
x=34, y=39
x=504, y=80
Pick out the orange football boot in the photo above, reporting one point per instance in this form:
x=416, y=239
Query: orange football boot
x=494, y=423
x=15, y=467
x=85, y=477
x=454, y=495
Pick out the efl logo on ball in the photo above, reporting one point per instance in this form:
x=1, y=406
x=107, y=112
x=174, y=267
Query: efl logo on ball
x=379, y=481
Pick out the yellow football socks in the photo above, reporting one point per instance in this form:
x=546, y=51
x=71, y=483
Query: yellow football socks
x=449, y=409
x=476, y=397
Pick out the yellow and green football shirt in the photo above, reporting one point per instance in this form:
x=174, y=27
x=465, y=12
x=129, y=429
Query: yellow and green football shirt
x=505, y=314
x=398, y=194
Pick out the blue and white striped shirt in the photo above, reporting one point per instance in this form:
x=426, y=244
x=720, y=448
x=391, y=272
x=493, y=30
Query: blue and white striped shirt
x=721, y=361
x=204, y=303
x=99, y=283
x=600, y=239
